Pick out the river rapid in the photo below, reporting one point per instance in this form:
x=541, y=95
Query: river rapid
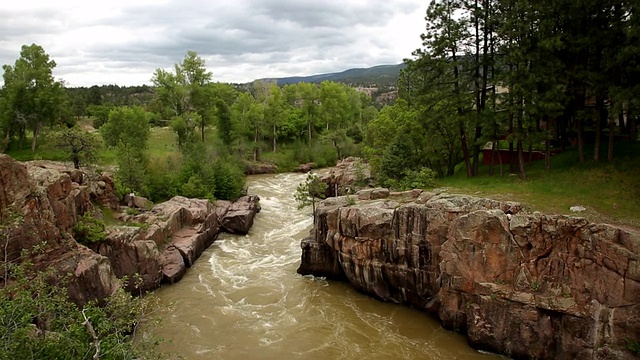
x=243, y=300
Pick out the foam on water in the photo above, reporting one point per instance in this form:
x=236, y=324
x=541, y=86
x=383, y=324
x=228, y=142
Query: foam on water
x=243, y=300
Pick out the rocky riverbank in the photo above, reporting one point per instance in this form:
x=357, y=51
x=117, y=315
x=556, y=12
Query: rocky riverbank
x=41, y=202
x=524, y=285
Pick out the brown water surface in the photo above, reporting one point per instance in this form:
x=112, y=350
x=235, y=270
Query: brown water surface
x=243, y=300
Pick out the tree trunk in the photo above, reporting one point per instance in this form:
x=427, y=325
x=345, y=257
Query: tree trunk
x=551, y=124
x=580, y=140
x=632, y=125
x=521, y=170
x=255, y=145
x=493, y=157
x=465, y=150
x=612, y=127
x=599, y=119
x=275, y=139
x=547, y=155
x=36, y=130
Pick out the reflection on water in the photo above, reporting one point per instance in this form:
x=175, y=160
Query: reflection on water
x=243, y=300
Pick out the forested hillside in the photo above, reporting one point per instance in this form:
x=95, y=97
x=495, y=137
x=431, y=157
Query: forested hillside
x=524, y=76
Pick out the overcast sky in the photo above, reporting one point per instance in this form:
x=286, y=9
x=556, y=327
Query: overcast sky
x=123, y=41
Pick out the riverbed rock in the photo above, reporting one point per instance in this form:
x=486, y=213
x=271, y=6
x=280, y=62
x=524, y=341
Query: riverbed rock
x=305, y=168
x=256, y=168
x=524, y=285
x=239, y=216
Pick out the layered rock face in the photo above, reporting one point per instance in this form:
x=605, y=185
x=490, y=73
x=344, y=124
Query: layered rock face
x=348, y=174
x=525, y=285
x=41, y=205
x=42, y=202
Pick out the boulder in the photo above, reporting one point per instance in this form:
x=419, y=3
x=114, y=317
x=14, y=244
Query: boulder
x=305, y=168
x=173, y=265
x=256, y=168
x=238, y=219
x=525, y=285
x=132, y=257
x=134, y=201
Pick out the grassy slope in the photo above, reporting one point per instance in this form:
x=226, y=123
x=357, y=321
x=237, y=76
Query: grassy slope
x=610, y=191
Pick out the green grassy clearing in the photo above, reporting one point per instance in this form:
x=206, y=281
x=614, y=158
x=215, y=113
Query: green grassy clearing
x=610, y=191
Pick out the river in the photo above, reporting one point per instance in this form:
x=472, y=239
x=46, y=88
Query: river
x=243, y=300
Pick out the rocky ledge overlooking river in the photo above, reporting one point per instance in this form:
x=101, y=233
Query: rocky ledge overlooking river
x=42, y=201
x=524, y=285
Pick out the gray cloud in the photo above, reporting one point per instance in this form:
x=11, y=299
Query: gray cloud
x=241, y=41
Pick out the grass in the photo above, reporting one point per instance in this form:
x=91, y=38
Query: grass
x=610, y=191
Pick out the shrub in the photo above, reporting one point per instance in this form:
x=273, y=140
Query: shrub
x=89, y=230
x=38, y=321
x=229, y=180
x=194, y=188
x=411, y=179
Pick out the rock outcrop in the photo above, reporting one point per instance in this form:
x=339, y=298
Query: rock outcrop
x=40, y=202
x=346, y=177
x=40, y=205
x=525, y=285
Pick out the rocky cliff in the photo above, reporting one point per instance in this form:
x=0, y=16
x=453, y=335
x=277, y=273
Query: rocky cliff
x=40, y=203
x=524, y=285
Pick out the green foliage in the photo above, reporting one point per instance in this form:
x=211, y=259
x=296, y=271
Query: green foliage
x=82, y=146
x=309, y=191
x=99, y=113
x=194, y=188
x=38, y=321
x=128, y=131
x=89, y=230
x=128, y=126
x=411, y=179
x=225, y=125
x=350, y=201
x=229, y=180
x=633, y=346
x=162, y=178
x=32, y=97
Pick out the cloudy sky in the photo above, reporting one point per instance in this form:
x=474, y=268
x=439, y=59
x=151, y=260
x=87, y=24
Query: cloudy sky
x=123, y=41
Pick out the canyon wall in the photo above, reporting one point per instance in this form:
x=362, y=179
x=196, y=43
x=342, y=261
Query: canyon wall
x=519, y=284
x=40, y=202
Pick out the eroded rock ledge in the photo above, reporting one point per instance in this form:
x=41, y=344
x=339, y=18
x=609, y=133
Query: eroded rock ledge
x=524, y=285
x=48, y=199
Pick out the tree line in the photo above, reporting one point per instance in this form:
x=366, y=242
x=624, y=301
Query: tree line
x=217, y=126
x=516, y=74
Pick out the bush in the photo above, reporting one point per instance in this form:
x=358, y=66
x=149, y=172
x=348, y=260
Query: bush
x=89, y=230
x=412, y=179
x=38, y=321
x=162, y=178
x=194, y=188
x=229, y=180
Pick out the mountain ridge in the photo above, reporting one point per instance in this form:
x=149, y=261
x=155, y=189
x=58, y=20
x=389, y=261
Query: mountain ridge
x=379, y=74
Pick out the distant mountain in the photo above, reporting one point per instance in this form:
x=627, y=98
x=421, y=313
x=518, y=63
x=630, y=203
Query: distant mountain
x=381, y=75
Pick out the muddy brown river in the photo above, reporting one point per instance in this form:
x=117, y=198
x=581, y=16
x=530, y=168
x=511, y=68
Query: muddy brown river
x=243, y=300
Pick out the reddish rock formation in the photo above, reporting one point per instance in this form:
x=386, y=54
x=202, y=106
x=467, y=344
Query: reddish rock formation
x=42, y=202
x=347, y=176
x=40, y=206
x=525, y=285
